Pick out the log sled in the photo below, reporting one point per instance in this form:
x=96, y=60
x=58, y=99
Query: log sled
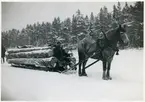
x=39, y=58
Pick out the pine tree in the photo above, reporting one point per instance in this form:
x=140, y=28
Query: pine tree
x=66, y=30
x=23, y=38
x=119, y=7
x=114, y=12
x=97, y=23
x=125, y=13
x=105, y=18
x=101, y=15
x=80, y=25
x=12, y=37
x=119, y=13
x=5, y=39
x=92, y=23
x=92, y=18
x=137, y=12
x=115, y=17
x=87, y=22
x=74, y=29
x=56, y=29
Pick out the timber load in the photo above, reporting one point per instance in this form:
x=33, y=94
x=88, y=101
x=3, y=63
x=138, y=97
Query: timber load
x=40, y=58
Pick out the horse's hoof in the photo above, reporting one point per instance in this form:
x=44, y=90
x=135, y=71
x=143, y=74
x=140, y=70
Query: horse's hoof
x=80, y=74
x=104, y=78
x=109, y=78
x=84, y=74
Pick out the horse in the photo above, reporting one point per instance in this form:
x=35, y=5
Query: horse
x=3, y=50
x=89, y=48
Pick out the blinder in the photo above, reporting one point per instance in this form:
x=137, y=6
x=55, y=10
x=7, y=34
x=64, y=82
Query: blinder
x=121, y=37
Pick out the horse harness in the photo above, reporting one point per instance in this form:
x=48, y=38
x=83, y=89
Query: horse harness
x=104, y=43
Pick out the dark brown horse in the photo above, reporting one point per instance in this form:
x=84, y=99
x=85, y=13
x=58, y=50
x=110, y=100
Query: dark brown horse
x=89, y=48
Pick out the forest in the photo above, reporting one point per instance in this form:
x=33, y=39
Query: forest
x=72, y=30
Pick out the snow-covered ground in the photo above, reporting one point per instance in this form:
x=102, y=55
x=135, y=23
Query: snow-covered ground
x=126, y=85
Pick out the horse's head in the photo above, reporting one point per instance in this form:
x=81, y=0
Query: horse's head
x=122, y=36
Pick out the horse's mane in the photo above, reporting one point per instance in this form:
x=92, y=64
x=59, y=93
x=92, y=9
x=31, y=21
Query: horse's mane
x=110, y=32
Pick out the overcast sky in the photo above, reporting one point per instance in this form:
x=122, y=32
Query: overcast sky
x=18, y=15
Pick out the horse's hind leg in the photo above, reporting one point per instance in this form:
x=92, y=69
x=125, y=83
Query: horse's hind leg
x=83, y=69
x=81, y=61
x=108, y=72
x=3, y=59
x=79, y=71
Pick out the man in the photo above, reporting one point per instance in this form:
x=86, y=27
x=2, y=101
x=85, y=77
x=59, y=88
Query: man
x=3, y=50
x=66, y=56
x=62, y=56
x=58, y=51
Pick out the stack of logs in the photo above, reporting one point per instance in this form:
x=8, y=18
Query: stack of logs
x=39, y=57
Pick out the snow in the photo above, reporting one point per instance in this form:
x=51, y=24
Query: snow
x=29, y=54
x=15, y=50
x=31, y=85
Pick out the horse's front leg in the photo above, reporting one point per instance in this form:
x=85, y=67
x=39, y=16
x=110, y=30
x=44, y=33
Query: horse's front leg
x=83, y=69
x=108, y=71
x=2, y=60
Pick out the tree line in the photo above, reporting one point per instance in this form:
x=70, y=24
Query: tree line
x=71, y=30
